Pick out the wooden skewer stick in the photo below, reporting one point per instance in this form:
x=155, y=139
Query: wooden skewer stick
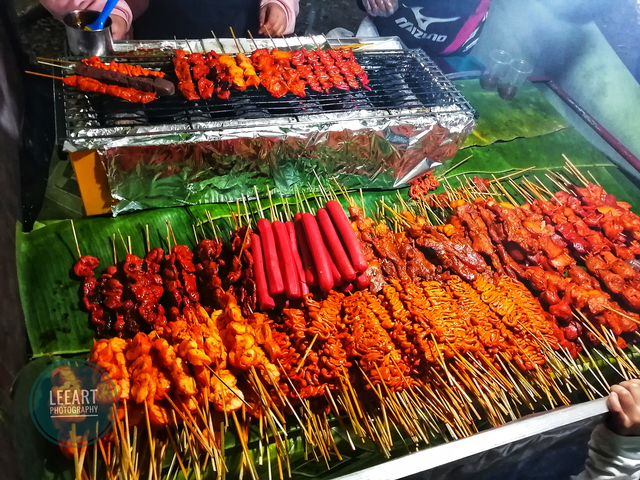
x=227, y=386
x=556, y=183
x=172, y=235
x=68, y=67
x=218, y=41
x=566, y=181
x=76, y=463
x=306, y=353
x=43, y=75
x=245, y=449
x=315, y=43
x=126, y=249
x=286, y=43
x=210, y=220
x=604, y=384
x=454, y=167
x=300, y=42
x=593, y=178
x=271, y=38
x=622, y=314
x=188, y=45
x=58, y=60
x=528, y=198
x=94, y=472
x=519, y=172
x=114, y=248
x=252, y=39
x=236, y=40
x=75, y=238
x=176, y=450
x=151, y=441
x=195, y=232
x=146, y=237
x=577, y=172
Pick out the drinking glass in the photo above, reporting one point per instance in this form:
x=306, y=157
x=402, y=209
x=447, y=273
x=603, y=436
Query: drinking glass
x=518, y=72
x=497, y=67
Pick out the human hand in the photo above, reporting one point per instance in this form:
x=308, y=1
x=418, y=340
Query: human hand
x=624, y=405
x=273, y=20
x=380, y=8
x=119, y=30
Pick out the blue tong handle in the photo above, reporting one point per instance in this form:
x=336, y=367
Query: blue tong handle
x=99, y=23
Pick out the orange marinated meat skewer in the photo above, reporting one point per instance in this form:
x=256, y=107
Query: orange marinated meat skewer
x=86, y=84
x=183, y=72
x=125, y=68
x=251, y=77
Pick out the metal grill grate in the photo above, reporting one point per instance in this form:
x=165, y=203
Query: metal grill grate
x=402, y=82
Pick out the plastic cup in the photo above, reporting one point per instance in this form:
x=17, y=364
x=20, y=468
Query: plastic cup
x=518, y=72
x=497, y=68
x=87, y=43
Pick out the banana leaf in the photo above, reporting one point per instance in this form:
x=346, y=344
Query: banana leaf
x=529, y=114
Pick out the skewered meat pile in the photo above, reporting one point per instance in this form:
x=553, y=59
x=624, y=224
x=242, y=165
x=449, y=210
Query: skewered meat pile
x=441, y=323
x=278, y=71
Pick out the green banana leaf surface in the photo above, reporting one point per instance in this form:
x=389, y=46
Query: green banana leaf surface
x=529, y=114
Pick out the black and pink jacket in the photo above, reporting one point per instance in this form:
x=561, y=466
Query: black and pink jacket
x=439, y=27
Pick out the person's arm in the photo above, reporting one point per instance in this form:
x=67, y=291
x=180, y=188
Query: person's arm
x=614, y=449
x=278, y=17
x=121, y=17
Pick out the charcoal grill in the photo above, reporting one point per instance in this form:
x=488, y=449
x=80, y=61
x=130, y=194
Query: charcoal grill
x=404, y=84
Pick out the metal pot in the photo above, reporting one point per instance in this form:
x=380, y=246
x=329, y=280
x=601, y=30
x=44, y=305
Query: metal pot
x=87, y=43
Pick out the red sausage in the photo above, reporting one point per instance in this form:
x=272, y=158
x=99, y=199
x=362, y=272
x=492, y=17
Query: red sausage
x=335, y=274
x=362, y=281
x=287, y=264
x=321, y=258
x=348, y=236
x=333, y=244
x=265, y=301
x=310, y=274
x=270, y=255
x=291, y=230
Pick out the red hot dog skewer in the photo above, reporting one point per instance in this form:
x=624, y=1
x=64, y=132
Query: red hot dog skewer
x=287, y=264
x=348, y=236
x=308, y=265
x=270, y=255
x=291, y=230
x=337, y=278
x=319, y=252
x=333, y=244
x=265, y=301
x=362, y=281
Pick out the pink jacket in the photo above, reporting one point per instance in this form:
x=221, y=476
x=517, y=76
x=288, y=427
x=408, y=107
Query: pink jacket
x=130, y=9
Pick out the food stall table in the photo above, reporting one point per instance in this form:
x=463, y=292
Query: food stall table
x=526, y=137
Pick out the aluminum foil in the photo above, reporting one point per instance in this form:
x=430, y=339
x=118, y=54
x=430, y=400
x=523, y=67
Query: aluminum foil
x=361, y=149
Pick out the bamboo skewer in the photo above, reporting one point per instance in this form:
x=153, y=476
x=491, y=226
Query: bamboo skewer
x=43, y=75
x=50, y=64
x=75, y=239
